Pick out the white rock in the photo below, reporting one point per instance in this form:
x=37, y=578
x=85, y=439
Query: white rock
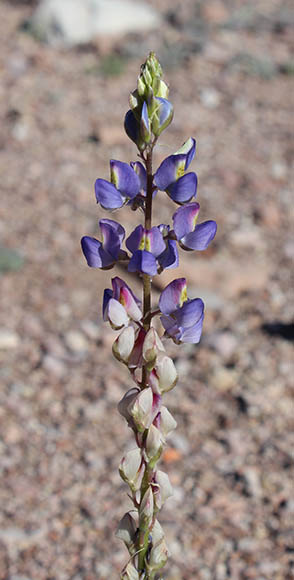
x=8, y=339
x=76, y=341
x=71, y=22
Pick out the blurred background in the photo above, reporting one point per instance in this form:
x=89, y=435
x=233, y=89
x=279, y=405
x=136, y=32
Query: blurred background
x=67, y=68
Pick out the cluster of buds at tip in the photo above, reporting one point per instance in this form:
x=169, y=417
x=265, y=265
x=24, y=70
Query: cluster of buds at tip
x=148, y=250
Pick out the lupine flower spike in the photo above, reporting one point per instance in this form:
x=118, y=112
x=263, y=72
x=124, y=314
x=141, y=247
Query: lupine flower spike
x=149, y=249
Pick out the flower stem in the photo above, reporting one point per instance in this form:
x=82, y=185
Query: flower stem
x=146, y=277
x=144, y=535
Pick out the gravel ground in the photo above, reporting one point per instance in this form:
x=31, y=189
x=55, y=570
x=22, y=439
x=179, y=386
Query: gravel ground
x=231, y=76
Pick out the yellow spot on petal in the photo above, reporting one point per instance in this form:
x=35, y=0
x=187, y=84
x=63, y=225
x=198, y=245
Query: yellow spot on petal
x=142, y=243
x=184, y=296
x=114, y=178
x=195, y=219
x=147, y=244
x=180, y=170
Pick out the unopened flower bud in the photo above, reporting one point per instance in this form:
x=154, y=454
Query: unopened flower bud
x=141, y=86
x=164, y=376
x=163, y=489
x=130, y=573
x=158, y=556
x=124, y=344
x=157, y=532
x=162, y=116
x=126, y=531
x=125, y=405
x=131, y=469
x=116, y=314
x=160, y=88
x=145, y=409
x=165, y=421
x=152, y=344
x=146, y=510
x=154, y=444
x=145, y=129
x=135, y=360
x=133, y=100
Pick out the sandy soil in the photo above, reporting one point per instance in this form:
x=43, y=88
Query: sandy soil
x=231, y=77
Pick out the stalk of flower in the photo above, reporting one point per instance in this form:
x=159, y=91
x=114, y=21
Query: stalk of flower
x=149, y=250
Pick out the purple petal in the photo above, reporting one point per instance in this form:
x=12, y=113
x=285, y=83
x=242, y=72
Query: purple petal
x=183, y=189
x=169, y=171
x=154, y=241
x=145, y=124
x=173, y=296
x=193, y=333
x=170, y=326
x=118, y=285
x=135, y=238
x=132, y=127
x=124, y=178
x=107, y=194
x=143, y=261
x=188, y=148
x=139, y=168
x=184, y=219
x=113, y=234
x=190, y=313
x=106, y=297
x=200, y=237
x=94, y=253
x=163, y=115
x=170, y=257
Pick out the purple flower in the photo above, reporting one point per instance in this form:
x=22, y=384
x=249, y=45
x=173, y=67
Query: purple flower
x=162, y=115
x=124, y=185
x=170, y=256
x=182, y=318
x=104, y=254
x=171, y=176
x=146, y=246
x=120, y=304
x=190, y=235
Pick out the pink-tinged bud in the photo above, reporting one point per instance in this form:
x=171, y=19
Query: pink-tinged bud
x=126, y=531
x=131, y=469
x=152, y=345
x=126, y=403
x=163, y=489
x=145, y=409
x=158, y=556
x=154, y=444
x=116, y=314
x=164, y=376
x=135, y=360
x=146, y=510
x=166, y=421
x=125, y=296
x=124, y=344
x=130, y=573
